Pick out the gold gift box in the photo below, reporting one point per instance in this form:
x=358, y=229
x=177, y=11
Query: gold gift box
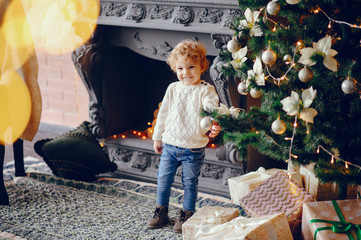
x=207, y=216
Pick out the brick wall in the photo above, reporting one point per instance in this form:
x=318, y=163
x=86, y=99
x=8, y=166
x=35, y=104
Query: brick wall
x=64, y=96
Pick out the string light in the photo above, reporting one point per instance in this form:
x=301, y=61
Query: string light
x=336, y=21
x=334, y=157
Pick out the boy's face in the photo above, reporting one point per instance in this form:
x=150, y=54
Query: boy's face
x=188, y=71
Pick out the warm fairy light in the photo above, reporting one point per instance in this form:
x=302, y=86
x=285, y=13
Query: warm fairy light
x=332, y=160
x=294, y=156
x=123, y=136
x=114, y=136
x=150, y=130
x=295, y=124
x=144, y=137
x=257, y=132
x=213, y=145
x=329, y=25
x=101, y=144
x=316, y=10
x=288, y=138
x=134, y=132
x=149, y=123
x=139, y=133
x=274, y=29
x=299, y=43
x=338, y=159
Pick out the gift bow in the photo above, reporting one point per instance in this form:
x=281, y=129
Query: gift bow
x=339, y=226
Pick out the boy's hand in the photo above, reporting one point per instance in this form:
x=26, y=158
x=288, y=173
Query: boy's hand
x=157, y=145
x=214, y=130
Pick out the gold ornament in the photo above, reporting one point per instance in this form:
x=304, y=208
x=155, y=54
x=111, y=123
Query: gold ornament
x=278, y=126
x=255, y=93
x=233, y=46
x=269, y=57
x=305, y=75
x=273, y=8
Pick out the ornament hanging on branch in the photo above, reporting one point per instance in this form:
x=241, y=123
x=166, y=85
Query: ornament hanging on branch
x=269, y=57
x=255, y=93
x=273, y=8
x=305, y=75
x=348, y=86
x=242, y=88
x=233, y=45
x=287, y=58
x=278, y=126
x=206, y=123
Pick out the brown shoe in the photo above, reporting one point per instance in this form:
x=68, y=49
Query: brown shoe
x=183, y=217
x=160, y=217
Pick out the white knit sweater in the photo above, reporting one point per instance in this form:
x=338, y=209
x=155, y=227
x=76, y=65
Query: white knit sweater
x=178, y=120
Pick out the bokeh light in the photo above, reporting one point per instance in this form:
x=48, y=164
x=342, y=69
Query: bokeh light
x=64, y=24
x=15, y=107
x=16, y=43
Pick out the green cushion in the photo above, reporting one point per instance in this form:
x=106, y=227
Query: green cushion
x=75, y=155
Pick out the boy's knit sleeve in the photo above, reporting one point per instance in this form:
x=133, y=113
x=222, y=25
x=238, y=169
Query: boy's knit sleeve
x=210, y=99
x=161, y=118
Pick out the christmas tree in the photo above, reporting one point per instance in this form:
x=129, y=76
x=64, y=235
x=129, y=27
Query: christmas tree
x=303, y=58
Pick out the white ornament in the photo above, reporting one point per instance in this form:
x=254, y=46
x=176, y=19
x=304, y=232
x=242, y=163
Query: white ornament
x=287, y=58
x=278, y=126
x=206, y=123
x=273, y=8
x=255, y=93
x=233, y=46
x=348, y=86
x=269, y=57
x=242, y=88
x=305, y=75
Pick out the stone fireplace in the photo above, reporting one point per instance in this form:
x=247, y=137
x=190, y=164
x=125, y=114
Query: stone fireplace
x=123, y=68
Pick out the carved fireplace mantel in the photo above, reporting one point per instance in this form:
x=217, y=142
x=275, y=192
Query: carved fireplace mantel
x=123, y=68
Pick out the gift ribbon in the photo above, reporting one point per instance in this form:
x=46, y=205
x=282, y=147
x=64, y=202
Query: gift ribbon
x=339, y=226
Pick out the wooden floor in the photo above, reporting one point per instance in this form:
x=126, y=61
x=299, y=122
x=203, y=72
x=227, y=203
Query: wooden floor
x=45, y=131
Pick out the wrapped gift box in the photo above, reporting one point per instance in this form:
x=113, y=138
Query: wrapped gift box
x=276, y=195
x=322, y=191
x=240, y=186
x=207, y=216
x=271, y=227
x=325, y=210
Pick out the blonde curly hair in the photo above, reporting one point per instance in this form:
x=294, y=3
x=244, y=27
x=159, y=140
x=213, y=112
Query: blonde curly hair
x=189, y=48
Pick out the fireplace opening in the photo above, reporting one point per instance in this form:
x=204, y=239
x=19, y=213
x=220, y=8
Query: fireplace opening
x=134, y=88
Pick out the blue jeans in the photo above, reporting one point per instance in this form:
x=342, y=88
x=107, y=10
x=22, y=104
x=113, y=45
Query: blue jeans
x=191, y=160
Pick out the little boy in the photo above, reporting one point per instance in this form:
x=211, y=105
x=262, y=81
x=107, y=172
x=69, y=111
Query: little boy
x=177, y=133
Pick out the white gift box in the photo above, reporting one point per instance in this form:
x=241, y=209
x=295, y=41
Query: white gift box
x=242, y=185
x=207, y=216
x=270, y=227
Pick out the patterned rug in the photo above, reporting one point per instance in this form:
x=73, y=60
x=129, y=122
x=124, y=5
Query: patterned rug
x=43, y=206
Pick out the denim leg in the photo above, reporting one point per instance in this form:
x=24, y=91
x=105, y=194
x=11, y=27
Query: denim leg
x=167, y=169
x=191, y=169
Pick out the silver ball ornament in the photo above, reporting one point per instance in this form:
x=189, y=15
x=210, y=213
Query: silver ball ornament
x=269, y=57
x=305, y=75
x=255, y=93
x=233, y=46
x=206, y=123
x=273, y=8
x=242, y=88
x=278, y=126
x=287, y=58
x=348, y=86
